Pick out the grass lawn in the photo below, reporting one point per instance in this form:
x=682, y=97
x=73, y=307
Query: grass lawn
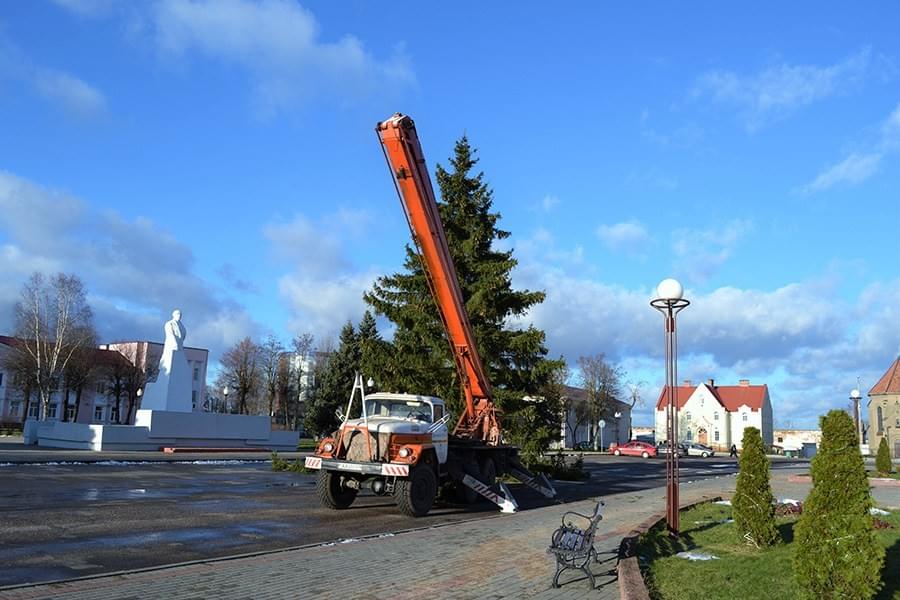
x=740, y=571
x=307, y=444
x=894, y=475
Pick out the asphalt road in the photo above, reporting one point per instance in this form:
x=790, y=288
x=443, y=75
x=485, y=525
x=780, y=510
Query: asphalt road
x=68, y=520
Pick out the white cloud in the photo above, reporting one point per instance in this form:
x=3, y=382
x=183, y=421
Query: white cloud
x=323, y=288
x=781, y=89
x=135, y=272
x=700, y=253
x=549, y=202
x=74, y=95
x=800, y=339
x=629, y=237
x=856, y=168
x=278, y=43
x=860, y=166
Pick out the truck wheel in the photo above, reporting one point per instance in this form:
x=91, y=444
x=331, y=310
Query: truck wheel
x=488, y=471
x=415, y=494
x=332, y=493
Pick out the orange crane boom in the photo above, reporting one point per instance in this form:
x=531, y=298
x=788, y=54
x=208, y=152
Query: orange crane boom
x=404, y=155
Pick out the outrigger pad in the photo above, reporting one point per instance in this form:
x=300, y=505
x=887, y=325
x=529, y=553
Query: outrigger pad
x=506, y=502
x=540, y=484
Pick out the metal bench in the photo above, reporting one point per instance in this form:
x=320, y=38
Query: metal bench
x=573, y=547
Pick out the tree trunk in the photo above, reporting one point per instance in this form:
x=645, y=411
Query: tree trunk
x=77, y=402
x=65, y=406
x=27, y=401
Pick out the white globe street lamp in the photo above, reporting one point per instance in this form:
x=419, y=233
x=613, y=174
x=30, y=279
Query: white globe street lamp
x=857, y=416
x=670, y=302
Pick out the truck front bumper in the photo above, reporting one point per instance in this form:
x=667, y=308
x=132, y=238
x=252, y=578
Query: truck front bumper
x=364, y=468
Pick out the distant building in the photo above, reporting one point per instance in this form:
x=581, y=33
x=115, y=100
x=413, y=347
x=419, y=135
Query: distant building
x=644, y=434
x=802, y=442
x=98, y=401
x=577, y=427
x=716, y=415
x=884, y=411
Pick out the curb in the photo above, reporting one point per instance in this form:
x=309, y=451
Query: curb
x=873, y=481
x=631, y=582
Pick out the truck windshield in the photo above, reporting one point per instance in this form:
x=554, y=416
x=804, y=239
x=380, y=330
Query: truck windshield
x=413, y=409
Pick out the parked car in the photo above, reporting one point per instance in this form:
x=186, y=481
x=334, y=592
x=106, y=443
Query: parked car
x=583, y=446
x=633, y=448
x=700, y=450
x=664, y=448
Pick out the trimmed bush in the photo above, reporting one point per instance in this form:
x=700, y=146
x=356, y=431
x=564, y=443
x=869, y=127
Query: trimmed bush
x=753, y=504
x=883, y=460
x=837, y=554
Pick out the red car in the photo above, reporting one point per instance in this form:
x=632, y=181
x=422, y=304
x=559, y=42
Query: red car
x=634, y=448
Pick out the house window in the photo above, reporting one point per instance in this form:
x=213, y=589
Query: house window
x=880, y=420
x=690, y=435
x=14, y=407
x=745, y=416
x=780, y=440
x=687, y=416
x=1, y=379
x=51, y=411
x=70, y=413
x=33, y=410
x=196, y=374
x=716, y=435
x=101, y=388
x=715, y=416
x=98, y=413
x=194, y=399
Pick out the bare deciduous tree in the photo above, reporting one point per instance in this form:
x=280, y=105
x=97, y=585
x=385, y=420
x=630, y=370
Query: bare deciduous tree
x=53, y=323
x=241, y=372
x=270, y=354
x=601, y=382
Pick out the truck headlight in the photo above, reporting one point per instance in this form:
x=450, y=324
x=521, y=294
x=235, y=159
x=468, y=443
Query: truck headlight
x=404, y=452
x=328, y=447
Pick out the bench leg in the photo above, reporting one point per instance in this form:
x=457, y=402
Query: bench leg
x=560, y=567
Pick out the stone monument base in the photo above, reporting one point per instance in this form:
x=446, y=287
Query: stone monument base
x=157, y=429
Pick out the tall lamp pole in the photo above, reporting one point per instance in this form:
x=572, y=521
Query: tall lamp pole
x=670, y=302
x=855, y=397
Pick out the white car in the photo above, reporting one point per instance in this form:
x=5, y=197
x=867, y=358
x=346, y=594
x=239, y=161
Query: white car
x=700, y=450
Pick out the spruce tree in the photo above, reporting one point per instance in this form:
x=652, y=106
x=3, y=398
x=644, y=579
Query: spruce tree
x=753, y=504
x=374, y=352
x=335, y=384
x=837, y=553
x=883, y=459
x=420, y=358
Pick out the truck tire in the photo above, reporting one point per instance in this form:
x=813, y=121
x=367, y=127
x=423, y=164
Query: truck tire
x=415, y=494
x=332, y=494
x=488, y=471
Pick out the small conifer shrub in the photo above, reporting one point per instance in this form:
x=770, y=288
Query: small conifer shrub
x=883, y=458
x=753, y=505
x=836, y=552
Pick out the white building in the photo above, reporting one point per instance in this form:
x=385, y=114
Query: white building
x=716, y=415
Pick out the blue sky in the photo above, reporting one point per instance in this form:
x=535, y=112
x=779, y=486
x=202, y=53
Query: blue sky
x=220, y=157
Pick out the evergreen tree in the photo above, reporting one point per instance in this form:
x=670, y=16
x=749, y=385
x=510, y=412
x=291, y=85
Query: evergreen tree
x=837, y=552
x=374, y=352
x=883, y=459
x=334, y=384
x=420, y=359
x=753, y=504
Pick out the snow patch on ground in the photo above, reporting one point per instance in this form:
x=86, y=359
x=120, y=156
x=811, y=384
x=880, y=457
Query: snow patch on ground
x=789, y=501
x=696, y=556
x=878, y=511
x=723, y=502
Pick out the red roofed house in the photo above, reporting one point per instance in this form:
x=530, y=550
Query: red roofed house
x=716, y=415
x=884, y=410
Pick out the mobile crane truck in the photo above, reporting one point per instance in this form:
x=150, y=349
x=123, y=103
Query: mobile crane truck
x=400, y=445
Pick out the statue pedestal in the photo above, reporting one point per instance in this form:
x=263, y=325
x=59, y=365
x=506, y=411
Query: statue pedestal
x=157, y=429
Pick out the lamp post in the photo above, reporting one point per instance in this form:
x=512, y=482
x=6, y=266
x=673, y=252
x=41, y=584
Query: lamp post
x=139, y=393
x=857, y=417
x=670, y=302
x=618, y=416
x=225, y=393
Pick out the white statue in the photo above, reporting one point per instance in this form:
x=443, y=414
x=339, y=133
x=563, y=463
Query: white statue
x=172, y=389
